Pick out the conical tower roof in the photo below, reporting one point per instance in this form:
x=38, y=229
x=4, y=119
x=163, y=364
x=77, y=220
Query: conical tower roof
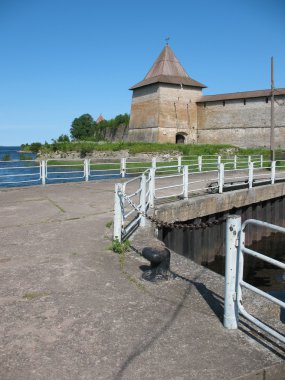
x=167, y=69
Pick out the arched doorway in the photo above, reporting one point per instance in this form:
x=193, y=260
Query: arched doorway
x=180, y=138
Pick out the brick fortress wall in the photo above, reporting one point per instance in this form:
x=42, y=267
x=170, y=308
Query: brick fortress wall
x=241, y=122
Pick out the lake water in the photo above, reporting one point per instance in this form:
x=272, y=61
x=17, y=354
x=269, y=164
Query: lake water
x=13, y=152
x=26, y=171
x=16, y=172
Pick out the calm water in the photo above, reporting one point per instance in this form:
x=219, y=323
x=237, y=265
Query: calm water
x=14, y=172
x=13, y=152
x=26, y=172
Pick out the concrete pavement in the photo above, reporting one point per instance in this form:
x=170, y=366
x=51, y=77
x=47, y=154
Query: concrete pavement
x=72, y=309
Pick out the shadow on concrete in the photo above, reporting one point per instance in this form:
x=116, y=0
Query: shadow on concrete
x=259, y=337
x=215, y=302
x=144, y=346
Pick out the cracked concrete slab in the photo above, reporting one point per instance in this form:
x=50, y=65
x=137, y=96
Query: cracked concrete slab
x=72, y=309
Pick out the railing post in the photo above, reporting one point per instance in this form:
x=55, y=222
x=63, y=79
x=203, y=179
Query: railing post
x=143, y=200
x=86, y=169
x=249, y=160
x=151, y=187
x=123, y=167
x=235, y=162
x=250, y=175
x=43, y=172
x=219, y=160
x=185, y=181
x=261, y=160
x=221, y=173
x=233, y=228
x=153, y=162
x=179, y=161
x=117, y=235
x=273, y=170
x=200, y=161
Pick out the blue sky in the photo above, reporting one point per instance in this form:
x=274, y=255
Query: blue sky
x=63, y=58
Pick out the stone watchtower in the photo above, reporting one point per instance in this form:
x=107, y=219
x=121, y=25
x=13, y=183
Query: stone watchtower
x=164, y=103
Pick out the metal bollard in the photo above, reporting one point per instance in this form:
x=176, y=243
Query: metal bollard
x=160, y=264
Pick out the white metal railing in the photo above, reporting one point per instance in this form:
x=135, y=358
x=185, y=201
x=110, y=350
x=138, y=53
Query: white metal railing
x=19, y=172
x=234, y=282
x=132, y=200
x=187, y=181
x=62, y=170
x=66, y=170
x=106, y=170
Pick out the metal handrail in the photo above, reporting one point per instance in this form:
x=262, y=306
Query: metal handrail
x=188, y=182
x=50, y=172
x=234, y=282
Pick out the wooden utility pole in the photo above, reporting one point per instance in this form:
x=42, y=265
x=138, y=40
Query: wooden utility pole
x=272, y=137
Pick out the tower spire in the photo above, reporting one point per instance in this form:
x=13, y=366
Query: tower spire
x=167, y=69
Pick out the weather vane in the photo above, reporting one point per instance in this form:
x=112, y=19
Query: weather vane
x=167, y=40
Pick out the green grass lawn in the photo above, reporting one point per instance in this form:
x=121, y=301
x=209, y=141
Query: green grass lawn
x=189, y=155
x=208, y=164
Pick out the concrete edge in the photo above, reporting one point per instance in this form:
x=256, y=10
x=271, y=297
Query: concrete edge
x=202, y=205
x=274, y=372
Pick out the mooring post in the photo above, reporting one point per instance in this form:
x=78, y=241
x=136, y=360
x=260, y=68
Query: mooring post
x=273, y=169
x=43, y=172
x=233, y=228
x=123, y=167
x=250, y=174
x=143, y=200
x=118, y=213
x=185, y=181
x=221, y=179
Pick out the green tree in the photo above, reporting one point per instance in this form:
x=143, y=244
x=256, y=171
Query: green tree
x=82, y=127
x=122, y=119
x=35, y=147
x=63, y=138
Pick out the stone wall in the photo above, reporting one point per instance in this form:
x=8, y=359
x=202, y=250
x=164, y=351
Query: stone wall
x=241, y=122
x=178, y=112
x=144, y=114
x=118, y=134
x=159, y=112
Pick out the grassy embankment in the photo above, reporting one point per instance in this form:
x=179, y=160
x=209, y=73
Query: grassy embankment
x=84, y=148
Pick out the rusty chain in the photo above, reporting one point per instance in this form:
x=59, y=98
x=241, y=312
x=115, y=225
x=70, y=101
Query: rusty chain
x=162, y=224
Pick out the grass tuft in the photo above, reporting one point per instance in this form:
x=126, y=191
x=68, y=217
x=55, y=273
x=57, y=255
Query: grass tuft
x=109, y=224
x=33, y=295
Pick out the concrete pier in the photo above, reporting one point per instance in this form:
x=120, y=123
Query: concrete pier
x=70, y=308
x=199, y=206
